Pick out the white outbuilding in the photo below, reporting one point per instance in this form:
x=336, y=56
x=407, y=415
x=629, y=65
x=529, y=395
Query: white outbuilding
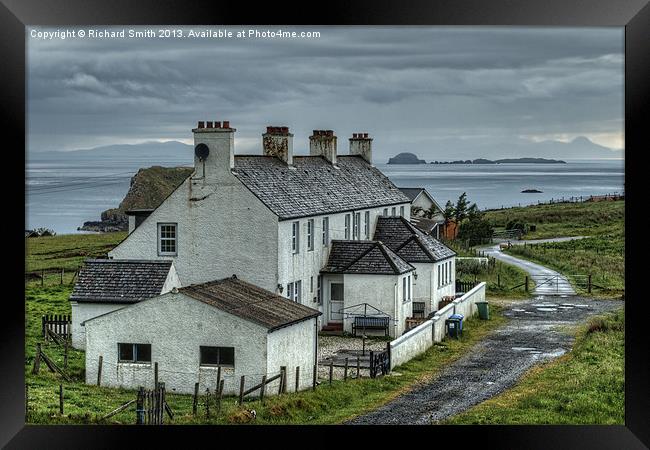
x=105, y=285
x=227, y=325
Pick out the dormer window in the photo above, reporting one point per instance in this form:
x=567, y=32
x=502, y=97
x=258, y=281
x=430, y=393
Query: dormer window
x=347, y=226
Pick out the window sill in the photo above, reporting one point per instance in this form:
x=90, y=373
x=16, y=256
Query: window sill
x=134, y=364
x=215, y=367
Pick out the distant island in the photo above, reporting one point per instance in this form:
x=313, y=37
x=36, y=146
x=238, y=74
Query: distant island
x=531, y=191
x=503, y=161
x=406, y=158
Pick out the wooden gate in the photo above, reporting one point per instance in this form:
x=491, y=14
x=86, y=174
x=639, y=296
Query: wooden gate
x=151, y=406
x=379, y=363
x=61, y=324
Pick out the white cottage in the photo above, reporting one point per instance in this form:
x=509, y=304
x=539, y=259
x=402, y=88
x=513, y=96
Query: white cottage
x=193, y=331
x=435, y=263
x=270, y=218
x=105, y=285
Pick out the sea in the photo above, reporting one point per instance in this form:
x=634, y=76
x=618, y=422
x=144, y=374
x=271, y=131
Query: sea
x=64, y=191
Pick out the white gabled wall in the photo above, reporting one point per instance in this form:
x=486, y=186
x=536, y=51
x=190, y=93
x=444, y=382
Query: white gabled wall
x=384, y=292
x=86, y=311
x=228, y=231
x=446, y=289
x=291, y=347
x=176, y=326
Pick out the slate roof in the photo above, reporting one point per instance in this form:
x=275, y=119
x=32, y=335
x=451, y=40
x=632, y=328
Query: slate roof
x=364, y=257
x=250, y=302
x=119, y=280
x=425, y=225
x=314, y=186
x=409, y=242
x=411, y=193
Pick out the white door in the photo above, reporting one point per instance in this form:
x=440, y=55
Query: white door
x=336, y=302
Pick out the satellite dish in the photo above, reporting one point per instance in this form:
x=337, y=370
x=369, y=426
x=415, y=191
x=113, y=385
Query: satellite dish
x=201, y=151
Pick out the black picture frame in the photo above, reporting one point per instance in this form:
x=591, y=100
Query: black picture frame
x=634, y=15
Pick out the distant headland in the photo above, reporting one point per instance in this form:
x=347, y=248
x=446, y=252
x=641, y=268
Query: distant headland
x=410, y=158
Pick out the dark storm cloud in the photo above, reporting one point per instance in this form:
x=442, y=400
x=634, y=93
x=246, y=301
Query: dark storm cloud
x=407, y=86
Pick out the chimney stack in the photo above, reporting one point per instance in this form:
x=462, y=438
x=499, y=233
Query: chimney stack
x=278, y=142
x=323, y=143
x=361, y=144
x=220, y=157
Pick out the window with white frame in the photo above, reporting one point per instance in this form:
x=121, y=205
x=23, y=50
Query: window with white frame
x=295, y=237
x=290, y=291
x=401, y=210
x=356, y=226
x=167, y=239
x=393, y=211
x=367, y=224
x=385, y=212
x=347, y=226
x=408, y=286
x=439, y=275
x=297, y=294
x=311, y=285
x=319, y=297
x=310, y=234
x=326, y=231
x=404, y=289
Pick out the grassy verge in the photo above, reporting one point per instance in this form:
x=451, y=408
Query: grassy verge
x=564, y=219
x=328, y=404
x=585, y=386
x=503, y=281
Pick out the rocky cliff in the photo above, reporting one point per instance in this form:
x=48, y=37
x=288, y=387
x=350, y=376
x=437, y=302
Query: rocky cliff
x=149, y=187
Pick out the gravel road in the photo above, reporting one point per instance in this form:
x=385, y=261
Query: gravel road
x=537, y=332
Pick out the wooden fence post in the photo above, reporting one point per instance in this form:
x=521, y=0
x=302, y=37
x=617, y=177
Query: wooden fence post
x=315, y=377
x=62, y=271
x=589, y=285
x=345, y=370
x=499, y=280
x=282, y=378
x=65, y=355
x=61, y=399
x=358, y=368
x=297, y=378
x=219, y=396
x=43, y=321
x=241, y=390
x=207, y=403
x=155, y=375
x=99, y=370
x=195, y=400
x=42, y=277
x=262, y=389
x=37, y=360
x=331, y=370
x=218, y=376
x=372, y=362
x=26, y=402
x=139, y=407
x=526, y=284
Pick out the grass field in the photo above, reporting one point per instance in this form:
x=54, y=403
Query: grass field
x=586, y=386
x=601, y=254
x=86, y=403
x=565, y=219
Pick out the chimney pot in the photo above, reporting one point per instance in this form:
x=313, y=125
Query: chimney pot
x=217, y=124
x=354, y=135
x=226, y=124
x=365, y=135
x=201, y=125
x=208, y=124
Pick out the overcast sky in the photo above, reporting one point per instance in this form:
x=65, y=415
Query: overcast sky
x=408, y=87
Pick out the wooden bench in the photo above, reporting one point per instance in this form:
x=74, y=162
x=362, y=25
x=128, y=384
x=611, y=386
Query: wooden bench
x=370, y=323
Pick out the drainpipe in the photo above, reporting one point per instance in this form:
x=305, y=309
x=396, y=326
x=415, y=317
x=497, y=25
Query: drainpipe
x=395, y=306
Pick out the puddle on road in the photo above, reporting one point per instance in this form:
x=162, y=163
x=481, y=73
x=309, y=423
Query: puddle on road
x=547, y=309
x=523, y=349
x=519, y=310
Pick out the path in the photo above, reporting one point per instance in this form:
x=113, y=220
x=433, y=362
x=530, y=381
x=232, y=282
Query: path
x=535, y=333
x=548, y=282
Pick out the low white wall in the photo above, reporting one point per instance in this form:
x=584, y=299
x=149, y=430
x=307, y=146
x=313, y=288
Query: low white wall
x=420, y=338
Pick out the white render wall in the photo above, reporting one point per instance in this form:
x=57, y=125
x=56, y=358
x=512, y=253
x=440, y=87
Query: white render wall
x=448, y=289
x=228, y=232
x=305, y=264
x=175, y=339
x=291, y=347
x=419, y=339
x=379, y=291
x=85, y=311
x=424, y=288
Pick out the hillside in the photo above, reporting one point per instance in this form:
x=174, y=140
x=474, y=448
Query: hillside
x=406, y=158
x=149, y=187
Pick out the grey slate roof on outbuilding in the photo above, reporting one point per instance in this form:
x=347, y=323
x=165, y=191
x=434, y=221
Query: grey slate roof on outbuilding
x=250, y=302
x=314, y=186
x=364, y=257
x=119, y=280
x=411, y=193
x=409, y=242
